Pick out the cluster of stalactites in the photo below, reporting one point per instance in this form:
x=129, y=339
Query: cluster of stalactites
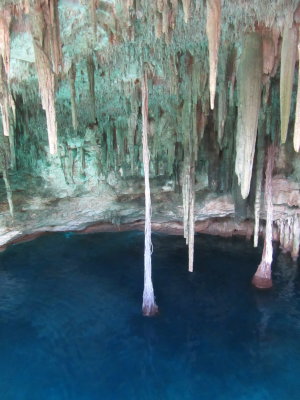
x=166, y=12
x=48, y=58
x=249, y=80
x=288, y=232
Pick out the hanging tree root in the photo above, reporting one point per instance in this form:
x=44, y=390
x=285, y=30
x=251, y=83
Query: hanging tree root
x=149, y=307
x=263, y=278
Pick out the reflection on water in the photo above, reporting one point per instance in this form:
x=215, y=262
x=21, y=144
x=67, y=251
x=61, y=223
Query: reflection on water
x=71, y=324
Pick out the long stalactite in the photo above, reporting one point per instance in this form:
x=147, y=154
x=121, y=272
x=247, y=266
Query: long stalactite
x=297, y=114
x=213, y=28
x=287, y=69
x=249, y=100
x=149, y=306
x=42, y=33
x=7, y=111
x=5, y=19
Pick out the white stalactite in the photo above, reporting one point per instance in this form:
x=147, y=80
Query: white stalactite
x=149, y=306
x=7, y=108
x=4, y=169
x=5, y=18
x=297, y=116
x=262, y=278
x=213, y=27
x=249, y=99
x=287, y=69
x=8, y=192
x=41, y=31
x=4, y=98
x=289, y=234
x=186, y=9
x=296, y=237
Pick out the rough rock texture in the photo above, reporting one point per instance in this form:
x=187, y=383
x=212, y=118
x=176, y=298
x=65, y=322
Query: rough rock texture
x=90, y=57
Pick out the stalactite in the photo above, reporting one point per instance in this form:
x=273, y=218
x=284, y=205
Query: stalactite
x=72, y=77
x=91, y=77
x=4, y=169
x=93, y=16
x=41, y=33
x=186, y=9
x=165, y=18
x=296, y=238
x=55, y=42
x=297, y=115
x=289, y=237
x=287, y=68
x=5, y=18
x=4, y=98
x=158, y=26
x=8, y=192
x=213, y=24
x=249, y=98
x=149, y=306
x=8, y=114
x=268, y=54
x=262, y=278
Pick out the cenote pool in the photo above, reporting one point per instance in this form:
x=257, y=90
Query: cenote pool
x=71, y=326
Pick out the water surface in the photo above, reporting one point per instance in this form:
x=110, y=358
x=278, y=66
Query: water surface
x=71, y=326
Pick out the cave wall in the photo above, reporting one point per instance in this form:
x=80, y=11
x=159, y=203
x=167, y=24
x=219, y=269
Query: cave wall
x=222, y=81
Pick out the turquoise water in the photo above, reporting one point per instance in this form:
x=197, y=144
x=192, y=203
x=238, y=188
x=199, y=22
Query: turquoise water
x=71, y=326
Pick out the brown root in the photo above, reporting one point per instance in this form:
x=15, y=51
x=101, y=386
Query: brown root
x=150, y=311
x=262, y=283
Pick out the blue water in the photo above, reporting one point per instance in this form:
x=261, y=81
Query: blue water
x=71, y=326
